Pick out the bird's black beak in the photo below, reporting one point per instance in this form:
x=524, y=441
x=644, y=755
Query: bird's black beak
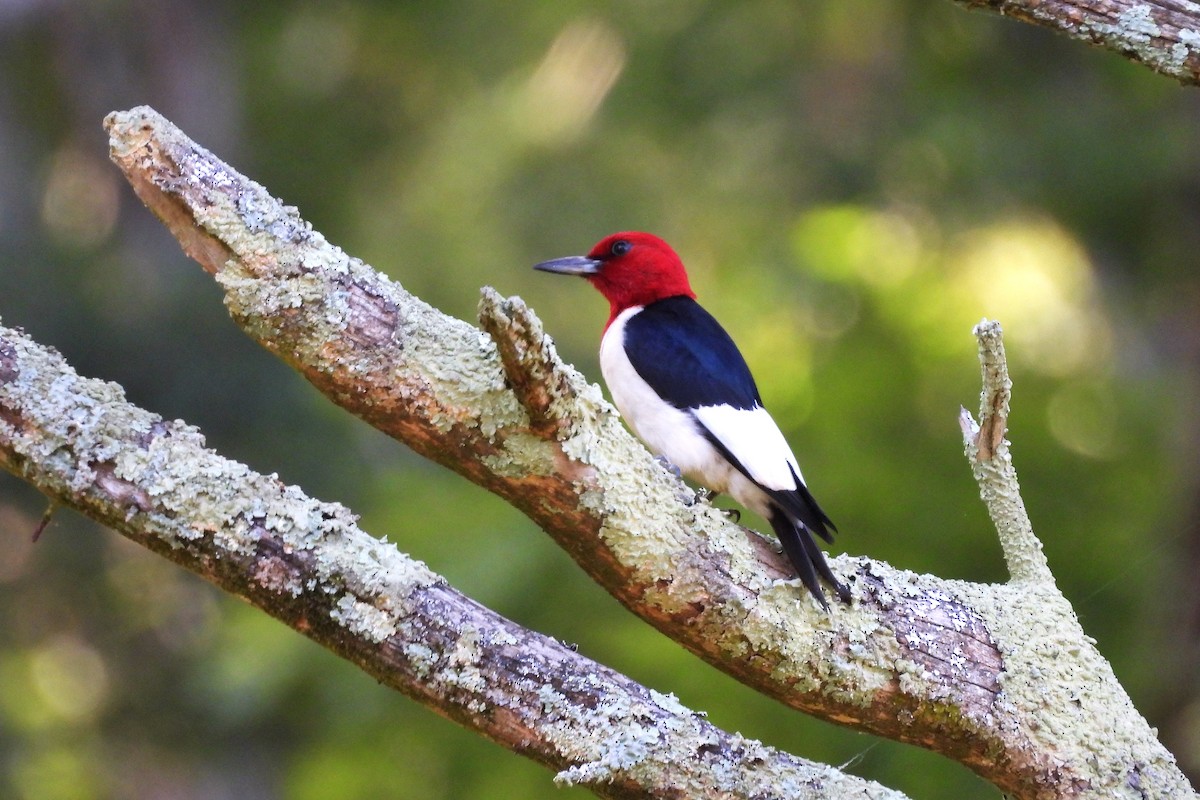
x=571, y=265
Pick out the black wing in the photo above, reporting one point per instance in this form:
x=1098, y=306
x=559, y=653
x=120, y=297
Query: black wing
x=687, y=357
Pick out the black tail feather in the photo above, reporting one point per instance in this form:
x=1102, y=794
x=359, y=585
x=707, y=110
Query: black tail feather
x=800, y=505
x=806, y=558
x=795, y=515
x=818, y=559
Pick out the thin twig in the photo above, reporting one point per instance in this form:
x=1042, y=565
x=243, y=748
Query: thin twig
x=45, y=520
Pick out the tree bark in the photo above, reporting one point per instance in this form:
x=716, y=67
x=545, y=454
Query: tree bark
x=308, y=564
x=1163, y=35
x=999, y=677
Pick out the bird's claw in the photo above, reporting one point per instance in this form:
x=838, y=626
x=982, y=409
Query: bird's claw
x=708, y=495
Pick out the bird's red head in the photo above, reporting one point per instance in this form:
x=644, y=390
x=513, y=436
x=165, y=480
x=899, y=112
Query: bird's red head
x=629, y=268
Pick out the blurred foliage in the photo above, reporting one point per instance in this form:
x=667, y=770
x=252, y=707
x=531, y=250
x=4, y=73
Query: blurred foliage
x=853, y=184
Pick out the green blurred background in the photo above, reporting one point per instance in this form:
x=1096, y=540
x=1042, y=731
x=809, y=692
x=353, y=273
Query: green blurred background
x=852, y=184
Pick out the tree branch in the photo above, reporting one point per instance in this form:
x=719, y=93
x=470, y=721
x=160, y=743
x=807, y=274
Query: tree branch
x=308, y=564
x=1000, y=678
x=1164, y=35
x=991, y=462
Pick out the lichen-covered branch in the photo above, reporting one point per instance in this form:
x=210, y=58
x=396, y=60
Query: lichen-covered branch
x=991, y=462
x=1164, y=35
x=307, y=563
x=960, y=668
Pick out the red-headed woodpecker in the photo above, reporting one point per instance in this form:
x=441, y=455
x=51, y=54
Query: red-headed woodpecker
x=682, y=385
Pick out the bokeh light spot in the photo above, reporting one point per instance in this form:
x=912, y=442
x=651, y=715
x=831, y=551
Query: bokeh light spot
x=56, y=773
x=1037, y=280
x=79, y=203
x=315, y=51
x=1083, y=418
x=878, y=248
x=571, y=81
x=70, y=678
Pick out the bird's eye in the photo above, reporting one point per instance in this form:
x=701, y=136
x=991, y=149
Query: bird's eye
x=620, y=247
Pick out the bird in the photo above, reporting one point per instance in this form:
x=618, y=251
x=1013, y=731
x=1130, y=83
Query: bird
x=679, y=381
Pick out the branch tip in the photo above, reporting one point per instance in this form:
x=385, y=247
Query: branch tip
x=147, y=147
x=997, y=389
x=991, y=463
x=534, y=371
x=45, y=521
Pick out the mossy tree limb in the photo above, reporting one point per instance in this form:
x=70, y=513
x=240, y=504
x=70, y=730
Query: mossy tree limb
x=308, y=564
x=1000, y=678
x=1163, y=35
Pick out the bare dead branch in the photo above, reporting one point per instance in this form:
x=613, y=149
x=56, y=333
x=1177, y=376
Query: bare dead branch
x=1000, y=678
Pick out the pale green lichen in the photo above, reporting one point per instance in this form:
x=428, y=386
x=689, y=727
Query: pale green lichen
x=1134, y=30
x=1056, y=681
x=453, y=364
x=646, y=527
x=1137, y=24
x=502, y=638
x=1181, y=51
x=363, y=619
x=422, y=659
x=644, y=523
x=185, y=493
x=522, y=455
x=987, y=451
x=461, y=668
x=650, y=742
x=630, y=745
x=631, y=742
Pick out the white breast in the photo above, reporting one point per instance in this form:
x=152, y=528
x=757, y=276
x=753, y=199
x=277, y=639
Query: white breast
x=668, y=431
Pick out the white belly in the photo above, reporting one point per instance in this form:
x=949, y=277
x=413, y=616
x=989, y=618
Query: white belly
x=668, y=431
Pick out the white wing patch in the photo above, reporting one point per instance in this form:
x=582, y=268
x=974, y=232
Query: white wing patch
x=755, y=441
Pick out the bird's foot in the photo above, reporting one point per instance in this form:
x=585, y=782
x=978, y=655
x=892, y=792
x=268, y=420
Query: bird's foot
x=671, y=468
x=685, y=495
